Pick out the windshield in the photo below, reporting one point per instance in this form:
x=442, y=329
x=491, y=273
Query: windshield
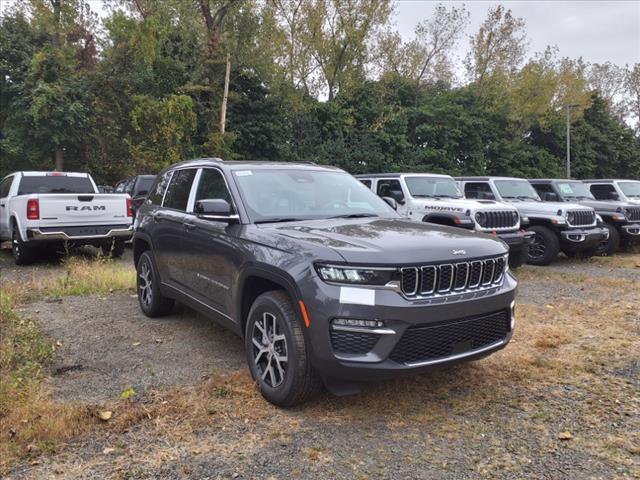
x=55, y=184
x=291, y=194
x=630, y=189
x=432, y=187
x=516, y=189
x=574, y=190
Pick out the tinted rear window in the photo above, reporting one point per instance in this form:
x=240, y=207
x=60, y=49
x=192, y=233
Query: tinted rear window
x=55, y=184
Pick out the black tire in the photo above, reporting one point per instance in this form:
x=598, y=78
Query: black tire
x=294, y=382
x=609, y=246
x=23, y=253
x=113, y=248
x=544, y=247
x=152, y=302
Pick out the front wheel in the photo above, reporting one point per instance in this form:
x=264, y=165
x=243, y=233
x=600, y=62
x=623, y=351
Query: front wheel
x=544, y=247
x=22, y=252
x=610, y=245
x=152, y=302
x=277, y=353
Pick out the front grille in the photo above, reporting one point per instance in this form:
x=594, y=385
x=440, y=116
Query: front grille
x=492, y=220
x=633, y=213
x=452, y=278
x=581, y=218
x=432, y=342
x=353, y=342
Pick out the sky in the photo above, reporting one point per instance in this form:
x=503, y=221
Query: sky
x=597, y=31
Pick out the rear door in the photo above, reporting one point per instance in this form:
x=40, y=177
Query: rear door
x=168, y=227
x=213, y=257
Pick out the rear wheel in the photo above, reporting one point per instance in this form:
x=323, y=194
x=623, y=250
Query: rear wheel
x=22, y=252
x=152, y=302
x=277, y=352
x=544, y=247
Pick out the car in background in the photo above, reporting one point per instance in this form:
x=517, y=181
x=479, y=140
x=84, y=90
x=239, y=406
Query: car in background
x=621, y=218
x=61, y=210
x=556, y=226
x=323, y=280
x=435, y=198
x=624, y=190
x=137, y=187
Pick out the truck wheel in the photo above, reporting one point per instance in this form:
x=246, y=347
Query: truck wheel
x=544, y=247
x=609, y=246
x=22, y=252
x=277, y=352
x=113, y=248
x=152, y=302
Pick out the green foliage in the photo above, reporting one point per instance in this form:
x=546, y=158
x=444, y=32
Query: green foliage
x=153, y=95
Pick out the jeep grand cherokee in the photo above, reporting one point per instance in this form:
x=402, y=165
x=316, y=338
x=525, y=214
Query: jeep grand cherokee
x=320, y=277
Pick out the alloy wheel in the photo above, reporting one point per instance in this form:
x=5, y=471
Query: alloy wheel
x=269, y=350
x=15, y=245
x=144, y=284
x=537, y=248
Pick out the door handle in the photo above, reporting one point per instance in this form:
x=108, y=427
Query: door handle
x=189, y=226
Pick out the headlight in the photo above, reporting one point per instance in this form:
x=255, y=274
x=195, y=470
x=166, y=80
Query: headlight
x=357, y=275
x=571, y=216
x=515, y=216
x=481, y=218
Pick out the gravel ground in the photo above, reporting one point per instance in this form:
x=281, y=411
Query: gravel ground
x=444, y=425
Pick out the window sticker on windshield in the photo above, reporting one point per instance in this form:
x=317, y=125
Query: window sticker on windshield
x=566, y=188
x=357, y=296
x=243, y=173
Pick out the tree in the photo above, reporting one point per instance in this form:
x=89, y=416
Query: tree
x=632, y=89
x=498, y=47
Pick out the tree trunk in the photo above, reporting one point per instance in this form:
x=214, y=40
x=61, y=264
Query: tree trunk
x=59, y=159
x=223, y=109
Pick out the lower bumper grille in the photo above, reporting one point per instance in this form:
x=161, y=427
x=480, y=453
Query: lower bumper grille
x=352, y=342
x=425, y=343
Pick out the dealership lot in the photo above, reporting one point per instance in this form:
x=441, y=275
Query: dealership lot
x=560, y=401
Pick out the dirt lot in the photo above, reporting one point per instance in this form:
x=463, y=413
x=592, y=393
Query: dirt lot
x=561, y=401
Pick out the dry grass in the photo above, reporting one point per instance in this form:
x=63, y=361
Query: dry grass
x=620, y=260
x=30, y=422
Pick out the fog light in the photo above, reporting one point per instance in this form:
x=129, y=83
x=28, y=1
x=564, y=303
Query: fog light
x=352, y=322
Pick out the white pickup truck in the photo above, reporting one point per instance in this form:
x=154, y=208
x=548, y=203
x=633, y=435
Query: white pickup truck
x=55, y=209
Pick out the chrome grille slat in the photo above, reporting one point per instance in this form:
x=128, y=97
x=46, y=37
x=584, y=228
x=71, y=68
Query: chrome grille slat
x=582, y=218
x=497, y=219
x=634, y=213
x=448, y=278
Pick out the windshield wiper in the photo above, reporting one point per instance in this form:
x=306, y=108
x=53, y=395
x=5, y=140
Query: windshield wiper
x=355, y=215
x=278, y=220
x=527, y=197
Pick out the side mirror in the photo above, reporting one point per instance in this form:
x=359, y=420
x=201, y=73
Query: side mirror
x=614, y=196
x=550, y=197
x=215, y=209
x=391, y=201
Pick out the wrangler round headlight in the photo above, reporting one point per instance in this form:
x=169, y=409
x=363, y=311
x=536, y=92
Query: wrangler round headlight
x=571, y=216
x=481, y=218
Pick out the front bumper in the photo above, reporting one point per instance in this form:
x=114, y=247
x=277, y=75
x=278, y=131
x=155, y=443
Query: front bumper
x=80, y=234
x=578, y=239
x=632, y=230
x=382, y=358
x=516, y=240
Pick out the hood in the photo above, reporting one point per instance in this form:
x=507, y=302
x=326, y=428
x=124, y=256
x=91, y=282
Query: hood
x=605, y=205
x=546, y=208
x=389, y=241
x=459, y=204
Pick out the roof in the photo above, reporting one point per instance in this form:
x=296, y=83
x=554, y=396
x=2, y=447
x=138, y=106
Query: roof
x=610, y=180
x=486, y=179
x=53, y=174
x=254, y=164
x=552, y=180
x=399, y=174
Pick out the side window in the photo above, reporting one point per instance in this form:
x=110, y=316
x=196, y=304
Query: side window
x=5, y=186
x=546, y=192
x=603, y=192
x=128, y=187
x=156, y=192
x=366, y=183
x=119, y=187
x=212, y=186
x=390, y=188
x=179, y=189
x=478, y=190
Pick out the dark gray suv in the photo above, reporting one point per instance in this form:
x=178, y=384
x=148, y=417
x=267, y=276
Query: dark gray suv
x=322, y=278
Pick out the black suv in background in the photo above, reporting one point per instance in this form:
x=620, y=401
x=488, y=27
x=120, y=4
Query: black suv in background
x=137, y=187
x=321, y=277
x=621, y=219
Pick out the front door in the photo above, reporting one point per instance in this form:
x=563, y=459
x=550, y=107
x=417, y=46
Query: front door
x=212, y=252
